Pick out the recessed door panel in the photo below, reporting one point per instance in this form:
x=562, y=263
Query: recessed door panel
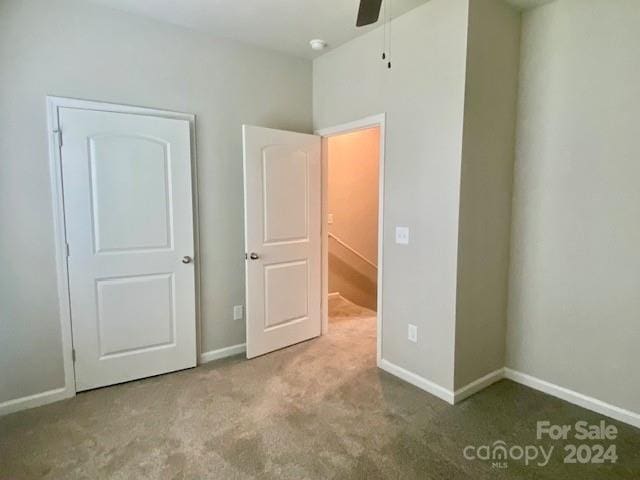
x=135, y=313
x=130, y=193
x=129, y=223
x=285, y=190
x=286, y=293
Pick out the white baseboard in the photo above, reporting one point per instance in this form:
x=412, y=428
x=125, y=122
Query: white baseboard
x=334, y=295
x=590, y=403
x=584, y=401
x=36, y=400
x=477, y=385
x=57, y=394
x=222, y=353
x=417, y=380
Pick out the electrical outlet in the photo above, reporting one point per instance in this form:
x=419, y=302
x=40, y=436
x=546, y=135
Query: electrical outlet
x=402, y=235
x=238, y=312
x=413, y=333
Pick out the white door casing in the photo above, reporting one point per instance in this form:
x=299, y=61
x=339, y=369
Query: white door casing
x=282, y=183
x=129, y=223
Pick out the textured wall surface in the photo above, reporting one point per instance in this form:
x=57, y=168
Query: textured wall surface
x=574, y=307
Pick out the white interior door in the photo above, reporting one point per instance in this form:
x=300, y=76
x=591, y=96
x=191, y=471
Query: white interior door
x=282, y=181
x=129, y=223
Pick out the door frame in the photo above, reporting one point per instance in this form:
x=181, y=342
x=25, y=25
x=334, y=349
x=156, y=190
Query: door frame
x=379, y=121
x=59, y=224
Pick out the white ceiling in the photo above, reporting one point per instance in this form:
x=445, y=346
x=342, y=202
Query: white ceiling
x=283, y=25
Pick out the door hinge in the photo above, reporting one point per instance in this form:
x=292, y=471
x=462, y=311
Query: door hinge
x=59, y=135
x=73, y=355
x=68, y=254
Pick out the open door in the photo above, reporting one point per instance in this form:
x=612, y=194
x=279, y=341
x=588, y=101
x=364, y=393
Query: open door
x=282, y=187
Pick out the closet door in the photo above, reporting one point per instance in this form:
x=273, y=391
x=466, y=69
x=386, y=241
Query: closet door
x=129, y=225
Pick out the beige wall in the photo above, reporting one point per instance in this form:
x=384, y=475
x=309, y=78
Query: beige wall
x=76, y=49
x=423, y=97
x=488, y=153
x=353, y=160
x=574, y=303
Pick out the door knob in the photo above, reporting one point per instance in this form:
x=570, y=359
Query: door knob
x=254, y=256
x=187, y=259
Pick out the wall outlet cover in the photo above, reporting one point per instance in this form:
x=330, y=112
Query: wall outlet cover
x=238, y=312
x=402, y=235
x=413, y=333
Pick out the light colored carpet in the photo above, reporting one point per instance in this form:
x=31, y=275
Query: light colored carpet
x=317, y=410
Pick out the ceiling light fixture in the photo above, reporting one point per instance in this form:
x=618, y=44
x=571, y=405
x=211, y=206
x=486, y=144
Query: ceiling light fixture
x=318, y=44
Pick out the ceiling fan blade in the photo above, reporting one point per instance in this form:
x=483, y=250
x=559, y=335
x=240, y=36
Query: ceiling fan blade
x=368, y=12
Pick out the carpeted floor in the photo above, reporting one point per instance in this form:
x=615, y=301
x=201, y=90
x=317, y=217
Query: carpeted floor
x=317, y=410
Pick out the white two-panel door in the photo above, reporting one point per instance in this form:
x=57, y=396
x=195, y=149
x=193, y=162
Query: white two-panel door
x=129, y=227
x=282, y=181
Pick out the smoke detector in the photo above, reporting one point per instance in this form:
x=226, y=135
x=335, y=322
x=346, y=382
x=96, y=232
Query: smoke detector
x=318, y=44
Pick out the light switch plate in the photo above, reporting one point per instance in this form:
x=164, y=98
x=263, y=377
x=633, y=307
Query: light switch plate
x=330, y=218
x=412, y=334
x=402, y=235
x=238, y=312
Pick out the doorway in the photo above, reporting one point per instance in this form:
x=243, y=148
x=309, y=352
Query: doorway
x=353, y=194
x=287, y=237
